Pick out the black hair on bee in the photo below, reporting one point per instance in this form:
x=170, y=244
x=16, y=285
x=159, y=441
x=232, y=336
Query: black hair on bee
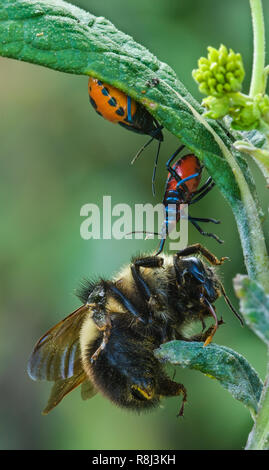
x=107, y=345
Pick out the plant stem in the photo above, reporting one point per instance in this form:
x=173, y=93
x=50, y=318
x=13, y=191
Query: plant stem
x=265, y=76
x=257, y=79
x=259, y=437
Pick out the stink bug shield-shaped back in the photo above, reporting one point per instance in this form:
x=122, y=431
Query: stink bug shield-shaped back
x=117, y=107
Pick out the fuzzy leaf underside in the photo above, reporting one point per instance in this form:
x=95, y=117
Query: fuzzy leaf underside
x=255, y=137
x=58, y=35
x=254, y=306
x=227, y=366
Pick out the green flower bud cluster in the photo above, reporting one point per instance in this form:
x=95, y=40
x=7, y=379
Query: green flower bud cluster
x=248, y=116
x=245, y=112
x=221, y=72
x=245, y=117
x=217, y=107
x=220, y=76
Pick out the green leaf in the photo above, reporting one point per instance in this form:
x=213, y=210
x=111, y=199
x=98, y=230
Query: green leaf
x=254, y=305
x=231, y=369
x=255, y=137
x=63, y=37
x=254, y=143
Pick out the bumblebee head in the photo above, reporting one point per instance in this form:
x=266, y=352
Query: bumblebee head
x=90, y=292
x=199, y=278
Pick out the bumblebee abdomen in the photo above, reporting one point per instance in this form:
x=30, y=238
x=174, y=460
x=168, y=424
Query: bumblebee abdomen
x=125, y=371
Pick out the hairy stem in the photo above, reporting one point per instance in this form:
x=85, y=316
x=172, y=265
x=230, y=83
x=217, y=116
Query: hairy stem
x=259, y=437
x=265, y=77
x=257, y=79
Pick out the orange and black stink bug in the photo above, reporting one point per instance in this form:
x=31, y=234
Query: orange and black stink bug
x=115, y=106
x=182, y=188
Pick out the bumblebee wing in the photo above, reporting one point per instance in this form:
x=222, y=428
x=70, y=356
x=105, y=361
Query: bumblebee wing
x=62, y=388
x=87, y=390
x=56, y=356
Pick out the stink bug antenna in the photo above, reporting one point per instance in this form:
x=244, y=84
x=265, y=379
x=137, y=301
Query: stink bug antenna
x=162, y=242
x=156, y=160
x=230, y=305
x=155, y=168
x=141, y=150
x=155, y=134
x=143, y=231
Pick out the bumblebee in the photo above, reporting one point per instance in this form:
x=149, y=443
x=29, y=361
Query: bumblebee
x=107, y=345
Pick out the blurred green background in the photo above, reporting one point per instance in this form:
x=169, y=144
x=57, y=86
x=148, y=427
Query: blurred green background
x=58, y=154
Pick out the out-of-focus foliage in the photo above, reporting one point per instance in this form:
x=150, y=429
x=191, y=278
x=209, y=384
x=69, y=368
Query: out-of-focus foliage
x=56, y=155
x=254, y=305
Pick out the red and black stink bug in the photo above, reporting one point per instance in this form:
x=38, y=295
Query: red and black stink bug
x=115, y=106
x=182, y=188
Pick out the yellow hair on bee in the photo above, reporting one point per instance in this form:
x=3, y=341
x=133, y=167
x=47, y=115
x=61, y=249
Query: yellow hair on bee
x=113, y=306
x=88, y=333
x=125, y=281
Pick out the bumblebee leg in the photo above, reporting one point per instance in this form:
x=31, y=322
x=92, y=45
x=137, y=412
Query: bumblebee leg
x=106, y=328
x=169, y=388
x=149, y=262
x=206, y=336
x=143, y=288
x=197, y=248
x=201, y=336
x=118, y=295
